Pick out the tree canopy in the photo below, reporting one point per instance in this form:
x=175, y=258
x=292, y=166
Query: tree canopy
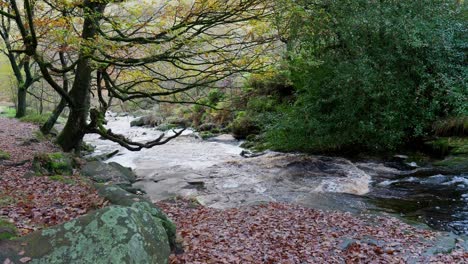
x=127, y=50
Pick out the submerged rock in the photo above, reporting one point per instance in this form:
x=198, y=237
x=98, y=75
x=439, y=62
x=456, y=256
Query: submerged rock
x=113, y=234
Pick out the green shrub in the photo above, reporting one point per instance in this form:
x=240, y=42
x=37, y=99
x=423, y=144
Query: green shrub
x=243, y=126
x=372, y=75
x=215, y=96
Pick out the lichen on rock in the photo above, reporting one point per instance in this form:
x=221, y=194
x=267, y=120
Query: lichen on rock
x=114, y=234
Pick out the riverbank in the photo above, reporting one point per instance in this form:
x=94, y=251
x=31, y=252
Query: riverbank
x=34, y=202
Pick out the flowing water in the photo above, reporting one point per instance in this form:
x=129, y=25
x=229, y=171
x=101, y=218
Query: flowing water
x=439, y=200
x=216, y=174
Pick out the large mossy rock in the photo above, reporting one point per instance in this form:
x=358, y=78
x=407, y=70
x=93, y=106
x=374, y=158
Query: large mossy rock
x=108, y=172
x=118, y=196
x=53, y=164
x=114, y=234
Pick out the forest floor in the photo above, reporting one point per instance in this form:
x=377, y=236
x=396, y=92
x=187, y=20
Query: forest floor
x=287, y=233
x=34, y=202
x=270, y=233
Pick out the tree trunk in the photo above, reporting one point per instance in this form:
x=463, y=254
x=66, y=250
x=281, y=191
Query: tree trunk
x=21, y=106
x=75, y=128
x=72, y=134
x=49, y=124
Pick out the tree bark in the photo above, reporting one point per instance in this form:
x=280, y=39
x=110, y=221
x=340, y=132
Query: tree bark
x=21, y=106
x=49, y=124
x=72, y=135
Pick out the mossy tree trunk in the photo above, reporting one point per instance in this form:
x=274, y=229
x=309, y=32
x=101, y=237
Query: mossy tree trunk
x=21, y=104
x=21, y=67
x=72, y=135
x=49, y=124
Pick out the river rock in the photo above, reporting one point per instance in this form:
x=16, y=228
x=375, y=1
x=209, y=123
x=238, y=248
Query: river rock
x=149, y=120
x=114, y=234
x=112, y=172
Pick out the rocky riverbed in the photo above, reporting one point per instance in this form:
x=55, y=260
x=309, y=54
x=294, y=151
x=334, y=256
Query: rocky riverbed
x=214, y=172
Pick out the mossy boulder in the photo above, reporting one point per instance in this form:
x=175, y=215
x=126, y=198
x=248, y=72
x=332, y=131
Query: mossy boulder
x=57, y=163
x=112, y=172
x=118, y=196
x=114, y=234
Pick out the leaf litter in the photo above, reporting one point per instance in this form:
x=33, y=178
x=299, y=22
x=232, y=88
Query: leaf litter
x=35, y=202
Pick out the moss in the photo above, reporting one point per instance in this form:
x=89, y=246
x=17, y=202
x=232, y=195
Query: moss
x=8, y=112
x=88, y=148
x=39, y=136
x=64, y=179
x=52, y=164
x=7, y=230
x=4, y=155
x=207, y=135
x=35, y=118
x=453, y=161
x=450, y=145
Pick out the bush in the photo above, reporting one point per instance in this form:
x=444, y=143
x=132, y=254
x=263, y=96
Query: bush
x=372, y=75
x=243, y=126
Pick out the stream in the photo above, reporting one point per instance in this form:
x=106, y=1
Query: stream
x=214, y=172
